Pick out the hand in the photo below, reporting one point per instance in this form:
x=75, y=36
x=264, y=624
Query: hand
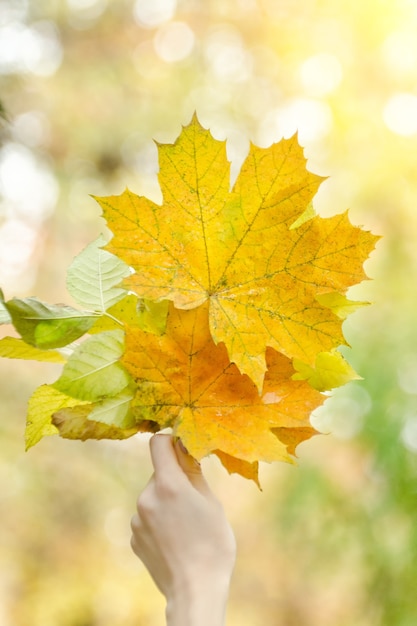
x=181, y=534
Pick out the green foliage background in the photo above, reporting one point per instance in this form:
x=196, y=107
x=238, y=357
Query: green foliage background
x=86, y=85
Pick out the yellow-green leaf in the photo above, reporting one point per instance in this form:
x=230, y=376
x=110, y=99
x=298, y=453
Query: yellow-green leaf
x=15, y=348
x=340, y=304
x=133, y=311
x=44, y=402
x=308, y=214
x=124, y=313
x=152, y=316
x=93, y=370
x=330, y=370
x=115, y=411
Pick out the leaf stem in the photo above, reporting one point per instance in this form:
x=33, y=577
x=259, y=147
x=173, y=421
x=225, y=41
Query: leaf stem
x=113, y=318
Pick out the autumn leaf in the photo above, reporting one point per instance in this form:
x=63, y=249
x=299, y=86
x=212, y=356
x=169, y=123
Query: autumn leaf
x=123, y=313
x=185, y=381
x=15, y=348
x=52, y=412
x=329, y=371
x=340, y=304
x=44, y=402
x=217, y=314
x=237, y=466
x=109, y=419
x=257, y=253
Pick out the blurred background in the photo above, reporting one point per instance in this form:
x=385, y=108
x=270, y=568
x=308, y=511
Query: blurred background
x=85, y=85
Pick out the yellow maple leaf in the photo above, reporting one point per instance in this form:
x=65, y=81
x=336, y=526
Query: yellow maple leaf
x=255, y=252
x=187, y=382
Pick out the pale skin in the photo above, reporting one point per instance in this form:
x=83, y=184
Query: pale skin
x=182, y=536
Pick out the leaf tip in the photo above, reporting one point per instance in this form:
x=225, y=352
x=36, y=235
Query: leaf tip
x=194, y=120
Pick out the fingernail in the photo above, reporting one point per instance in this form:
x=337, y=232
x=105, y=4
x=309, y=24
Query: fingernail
x=183, y=448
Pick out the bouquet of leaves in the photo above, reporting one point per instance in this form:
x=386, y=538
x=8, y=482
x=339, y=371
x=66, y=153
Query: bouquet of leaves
x=217, y=313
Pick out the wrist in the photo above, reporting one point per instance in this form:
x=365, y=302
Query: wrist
x=198, y=602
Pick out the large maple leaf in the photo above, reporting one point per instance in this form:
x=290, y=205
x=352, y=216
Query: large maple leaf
x=257, y=253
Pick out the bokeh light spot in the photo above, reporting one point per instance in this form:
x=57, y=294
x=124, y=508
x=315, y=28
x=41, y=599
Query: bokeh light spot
x=152, y=13
x=407, y=373
x=174, y=41
x=227, y=56
x=143, y=157
x=13, y=11
x=27, y=185
x=321, y=74
x=344, y=413
x=31, y=128
x=36, y=49
x=399, y=51
x=17, y=244
x=82, y=5
x=409, y=433
x=85, y=12
x=400, y=114
x=312, y=119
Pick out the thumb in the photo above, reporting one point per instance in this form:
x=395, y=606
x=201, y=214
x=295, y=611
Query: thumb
x=191, y=467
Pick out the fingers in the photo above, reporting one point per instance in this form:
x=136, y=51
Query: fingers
x=164, y=459
x=173, y=464
x=192, y=468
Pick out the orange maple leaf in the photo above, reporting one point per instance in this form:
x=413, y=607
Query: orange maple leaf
x=187, y=382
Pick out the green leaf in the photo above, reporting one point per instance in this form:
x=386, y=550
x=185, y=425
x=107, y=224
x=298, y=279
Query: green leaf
x=93, y=275
x=45, y=401
x=47, y=325
x=330, y=371
x=93, y=371
x=14, y=348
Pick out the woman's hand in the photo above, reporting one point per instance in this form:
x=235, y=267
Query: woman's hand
x=181, y=534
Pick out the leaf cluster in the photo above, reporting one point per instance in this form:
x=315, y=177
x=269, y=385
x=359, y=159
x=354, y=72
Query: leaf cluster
x=217, y=313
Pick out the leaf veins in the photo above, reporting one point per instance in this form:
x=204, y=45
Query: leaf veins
x=245, y=251
x=186, y=381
